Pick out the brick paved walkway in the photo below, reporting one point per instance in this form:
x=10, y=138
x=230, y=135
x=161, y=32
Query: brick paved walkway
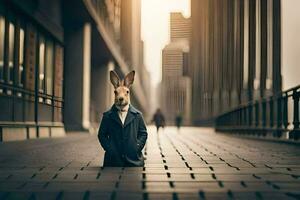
x=193, y=164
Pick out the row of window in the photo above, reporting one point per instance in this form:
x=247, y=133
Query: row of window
x=8, y=32
x=13, y=36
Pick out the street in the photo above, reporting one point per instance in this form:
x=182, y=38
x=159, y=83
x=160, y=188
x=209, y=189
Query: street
x=194, y=163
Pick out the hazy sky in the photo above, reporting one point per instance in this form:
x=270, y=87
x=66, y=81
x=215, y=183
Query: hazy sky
x=155, y=30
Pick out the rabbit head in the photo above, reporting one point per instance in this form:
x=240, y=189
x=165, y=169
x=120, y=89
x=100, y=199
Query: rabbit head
x=122, y=92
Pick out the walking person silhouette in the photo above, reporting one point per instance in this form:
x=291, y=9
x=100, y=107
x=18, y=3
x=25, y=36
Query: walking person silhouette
x=158, y=119
x=178, y=121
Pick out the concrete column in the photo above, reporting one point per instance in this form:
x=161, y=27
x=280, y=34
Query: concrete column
x=77, y=77
x=86, y=81
x=246, y=45
x=269, y=79
x=109, y=93
x=278, y=5
x=256, y=83
x=225, y=55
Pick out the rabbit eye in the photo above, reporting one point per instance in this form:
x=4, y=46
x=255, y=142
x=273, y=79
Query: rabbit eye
x=127, y=91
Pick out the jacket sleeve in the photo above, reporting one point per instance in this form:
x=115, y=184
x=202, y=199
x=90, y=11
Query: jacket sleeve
x=142, y=134
x=103, y=134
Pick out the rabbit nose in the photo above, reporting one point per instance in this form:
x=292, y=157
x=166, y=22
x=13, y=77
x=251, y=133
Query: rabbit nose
x=121, y=99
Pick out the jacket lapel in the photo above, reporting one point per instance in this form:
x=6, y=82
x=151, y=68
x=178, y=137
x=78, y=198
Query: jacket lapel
x=130, y=115
x=115, y=116
x=129, y=118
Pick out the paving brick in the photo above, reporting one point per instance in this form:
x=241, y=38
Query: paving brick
x=156, y=177
x=204, y=177
x=44, y=195
x=18, y=195
x=160, y=196
x=11, y=185
x=131, y=196
x=73, y=195
x=236, y=177
x=43, y=176
x=100, y=195
x=132, y=177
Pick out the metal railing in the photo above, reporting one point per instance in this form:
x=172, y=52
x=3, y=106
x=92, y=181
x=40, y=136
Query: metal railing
x=277, y=115
x=12, y=92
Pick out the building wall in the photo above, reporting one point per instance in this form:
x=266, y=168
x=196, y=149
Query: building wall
x=172, y=60
x=112, y=43
x=235, y=54
x=290, y=43
x=145, y=79
x=176, y=95
x=131, y=32
x=55, y=61
x=52, y=10
x=132, y=47
x=102, y=93
x=31, y=70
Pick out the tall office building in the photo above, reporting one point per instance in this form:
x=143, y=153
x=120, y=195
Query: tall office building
x=173, y=58
x=180, y=27
x=175, y=85
x=235, y=54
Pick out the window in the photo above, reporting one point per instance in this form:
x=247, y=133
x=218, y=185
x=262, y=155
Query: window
x=2, y=34
x=49, y=67
x=21, y=57
x=58, y=71
x=42, y=64
x=46, y=65
x=11, y=45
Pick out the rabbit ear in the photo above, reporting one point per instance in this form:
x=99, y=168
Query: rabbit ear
x=129, y=78
x=114, y=79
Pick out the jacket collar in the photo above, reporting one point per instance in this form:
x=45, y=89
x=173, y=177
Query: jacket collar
x=125, y=109
x=132, y=111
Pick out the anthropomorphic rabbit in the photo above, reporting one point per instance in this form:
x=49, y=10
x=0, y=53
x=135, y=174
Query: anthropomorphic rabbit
x=122, y=132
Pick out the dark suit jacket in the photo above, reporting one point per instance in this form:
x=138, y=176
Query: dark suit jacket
x=123, y=144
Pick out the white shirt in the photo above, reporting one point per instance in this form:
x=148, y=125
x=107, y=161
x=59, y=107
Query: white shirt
x=123, y=114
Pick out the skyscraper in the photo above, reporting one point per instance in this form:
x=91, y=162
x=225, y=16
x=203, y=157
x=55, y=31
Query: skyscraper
x=180, y=27
x=235, y=54
x=176, y=86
